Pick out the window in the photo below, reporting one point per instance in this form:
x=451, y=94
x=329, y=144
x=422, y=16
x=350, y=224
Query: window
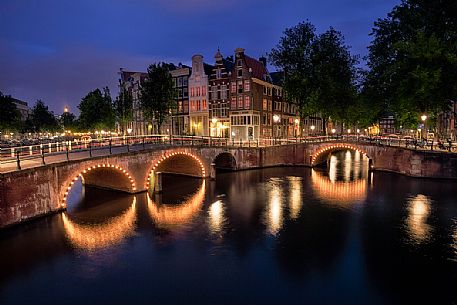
x=265, y=104
x=180, y=93
x=224, y=92
x=269, y=105
x=233, y=87
x=179, y=81
x=192, y=91
x=240, y=72
x=247, y=102
x=199, y=105
x=265, y=90
x=239, y=63
x=233, y=103
x=218, y=73
x=198, y=91
x=240, y=101
x=240, y=86
x=204, y=104
x=247, y=85
x=174, y=82
x=185, y=92
x=203, y=90
x=184, y=81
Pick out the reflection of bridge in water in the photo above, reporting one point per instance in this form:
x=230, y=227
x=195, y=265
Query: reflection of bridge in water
x=92, y=236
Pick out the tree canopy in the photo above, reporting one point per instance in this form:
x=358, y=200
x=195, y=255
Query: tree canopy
x=10, y=117
x=123, y=108
x=157, y=94
x=412, y=60
x=43, y=120
x=320, y=73
x=96, y=111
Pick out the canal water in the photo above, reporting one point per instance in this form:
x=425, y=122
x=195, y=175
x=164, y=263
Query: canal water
x=293, y=235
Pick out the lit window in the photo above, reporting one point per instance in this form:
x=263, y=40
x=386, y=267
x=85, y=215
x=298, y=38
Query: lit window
x=247, y=102
x=233, y=87
x=247, y=85
x=233, y=102
x=240, y=101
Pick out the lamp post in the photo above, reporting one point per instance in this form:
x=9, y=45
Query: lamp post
x=333, y=132
x=312, y=127
x=424, y=119
x=297, y=126
x=276, y=119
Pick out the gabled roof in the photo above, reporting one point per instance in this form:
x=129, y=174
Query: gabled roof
x=258, y=69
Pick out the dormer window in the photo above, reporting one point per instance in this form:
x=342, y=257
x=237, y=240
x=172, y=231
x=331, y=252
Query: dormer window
x=239, y=63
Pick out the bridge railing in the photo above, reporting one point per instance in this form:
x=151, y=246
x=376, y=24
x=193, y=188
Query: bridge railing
x=14, y=158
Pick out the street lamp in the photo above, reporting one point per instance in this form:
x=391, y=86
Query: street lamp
x=276, y=119
x=424, y=118
x=129, y=131
x=312, y=129
x=214, y=128
x=297, y=126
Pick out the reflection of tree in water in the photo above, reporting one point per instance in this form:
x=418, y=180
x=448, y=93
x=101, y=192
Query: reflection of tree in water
x=407, y=239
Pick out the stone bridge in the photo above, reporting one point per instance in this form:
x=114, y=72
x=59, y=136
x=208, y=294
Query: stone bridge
x=32, y=192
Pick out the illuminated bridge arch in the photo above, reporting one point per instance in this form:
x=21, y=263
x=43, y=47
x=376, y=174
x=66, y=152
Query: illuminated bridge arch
x=321, y=154
x=177, y=162
x=102, y=175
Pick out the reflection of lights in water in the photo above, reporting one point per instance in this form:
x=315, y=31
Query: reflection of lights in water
x=274, y=208
x=216, y=216
x=338, y=192
x=419, y=210
x=347, y=166
x=455, y=242
x=103, y=235
x=295, y=201
x=332, y=171
x=169, y=215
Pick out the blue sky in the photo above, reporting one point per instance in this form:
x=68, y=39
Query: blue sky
x=59, y=50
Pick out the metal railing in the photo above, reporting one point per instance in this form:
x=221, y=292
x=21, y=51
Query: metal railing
x=15, y=158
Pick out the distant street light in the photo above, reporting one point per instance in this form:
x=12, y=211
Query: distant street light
x=129, y=130
x=424, y=118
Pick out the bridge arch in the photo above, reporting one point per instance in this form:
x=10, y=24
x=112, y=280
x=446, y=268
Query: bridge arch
x=177, y=162
x=103, y=175
x=319, y=156
x=225, y=161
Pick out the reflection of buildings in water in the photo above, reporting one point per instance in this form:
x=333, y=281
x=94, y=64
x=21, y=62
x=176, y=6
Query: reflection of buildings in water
x=101, y=235
x=338, y=192
x=295, y=200
x=274, y=220
x=169, y=215
x=416, y=223
x=216, y=217
x=332, y=170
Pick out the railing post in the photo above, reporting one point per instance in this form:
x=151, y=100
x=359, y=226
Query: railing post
x=128, y=147
x=18, y=161
x=171, y=139
x=110, y=146
x=143, y=143
x=42, y=155
x=66, y=152
x=90, y=148
x=192, y=140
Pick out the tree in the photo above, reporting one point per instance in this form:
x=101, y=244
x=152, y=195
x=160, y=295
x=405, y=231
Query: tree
x=10, y=117
x=96, y=111
x=412, y=60
x=123, y=108
x=320, y=73
x=43, y=120
x=68, y=121
x=157, y=94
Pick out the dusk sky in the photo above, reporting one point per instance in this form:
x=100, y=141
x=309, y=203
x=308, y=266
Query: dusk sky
x=58, y=50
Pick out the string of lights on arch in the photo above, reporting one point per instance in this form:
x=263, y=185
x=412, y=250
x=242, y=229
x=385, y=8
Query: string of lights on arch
x=168, y=155
x=335, y=146
x=90, y=168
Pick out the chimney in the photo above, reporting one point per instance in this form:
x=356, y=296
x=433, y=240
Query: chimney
x=263, y=60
